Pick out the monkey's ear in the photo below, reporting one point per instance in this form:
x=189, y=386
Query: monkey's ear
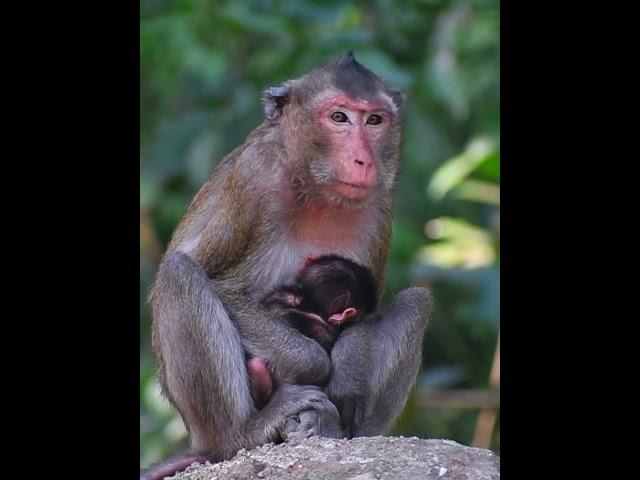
x=275, y=98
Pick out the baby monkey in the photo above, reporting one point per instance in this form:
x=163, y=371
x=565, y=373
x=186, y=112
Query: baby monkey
x=329, y=294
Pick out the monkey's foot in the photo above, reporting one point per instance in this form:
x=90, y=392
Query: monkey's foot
x=310, y=423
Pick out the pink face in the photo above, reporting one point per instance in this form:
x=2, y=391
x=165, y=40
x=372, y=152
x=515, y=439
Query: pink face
x=354, y=128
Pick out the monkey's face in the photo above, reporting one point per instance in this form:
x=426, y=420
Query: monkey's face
x=349, y=151
x=355, y=131
x=342, y=126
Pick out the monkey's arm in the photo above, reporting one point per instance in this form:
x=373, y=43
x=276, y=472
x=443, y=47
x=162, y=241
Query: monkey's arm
x=199, y=348
x=376, y=362
x=290, y=355
x=293, y=359
x=215, y=232
x=202, y=367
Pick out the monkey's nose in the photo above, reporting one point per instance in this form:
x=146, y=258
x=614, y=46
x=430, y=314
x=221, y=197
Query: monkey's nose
x=363, y=163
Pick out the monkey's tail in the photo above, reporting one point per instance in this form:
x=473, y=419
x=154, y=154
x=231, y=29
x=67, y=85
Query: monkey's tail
x=172, y=466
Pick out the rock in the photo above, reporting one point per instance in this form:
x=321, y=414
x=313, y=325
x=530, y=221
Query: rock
x=370, y=458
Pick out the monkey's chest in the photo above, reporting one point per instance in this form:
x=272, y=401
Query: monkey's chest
x=278, y=259
x=276, y=266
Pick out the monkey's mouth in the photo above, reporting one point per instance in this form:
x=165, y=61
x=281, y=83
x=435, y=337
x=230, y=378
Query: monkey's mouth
x=353, y=190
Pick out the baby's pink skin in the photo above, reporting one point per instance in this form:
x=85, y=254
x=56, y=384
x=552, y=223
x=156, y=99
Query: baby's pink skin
x=261, y=381
x=338, y=318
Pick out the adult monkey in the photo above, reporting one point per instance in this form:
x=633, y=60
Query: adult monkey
x=315, y=178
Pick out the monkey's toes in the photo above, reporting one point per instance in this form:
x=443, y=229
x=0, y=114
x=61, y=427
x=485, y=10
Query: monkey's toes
x=301, y=426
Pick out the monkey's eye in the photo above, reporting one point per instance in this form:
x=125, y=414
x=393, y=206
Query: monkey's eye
x=339, y=117
x=374, y=120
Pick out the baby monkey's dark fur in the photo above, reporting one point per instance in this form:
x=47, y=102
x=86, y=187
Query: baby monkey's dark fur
x=329, y=294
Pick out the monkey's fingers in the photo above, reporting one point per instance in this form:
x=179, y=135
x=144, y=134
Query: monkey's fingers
x=338, y=318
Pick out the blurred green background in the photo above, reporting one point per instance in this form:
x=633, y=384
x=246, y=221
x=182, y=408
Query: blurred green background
x=204, y=65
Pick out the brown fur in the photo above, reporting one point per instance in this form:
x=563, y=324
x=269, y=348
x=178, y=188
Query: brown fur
x=269, y=204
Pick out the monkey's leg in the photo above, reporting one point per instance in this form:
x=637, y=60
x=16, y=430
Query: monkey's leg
x=202, y=366
x=376, y=363
x=294, y=359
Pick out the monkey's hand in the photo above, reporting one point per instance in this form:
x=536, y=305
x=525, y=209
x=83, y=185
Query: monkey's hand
x=313, y=326
x=291, y=356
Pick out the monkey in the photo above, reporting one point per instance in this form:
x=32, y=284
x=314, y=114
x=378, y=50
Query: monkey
x=316, y=177
x=329, y=293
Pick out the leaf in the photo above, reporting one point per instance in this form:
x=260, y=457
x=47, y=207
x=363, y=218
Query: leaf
x=455, y=170
x=479, y=191
x=461, y=244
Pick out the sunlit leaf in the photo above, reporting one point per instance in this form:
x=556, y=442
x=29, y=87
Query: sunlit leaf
x=458, y=253
x=478, y=191
x=452, y=228
x=454, y=171
x=461, y=244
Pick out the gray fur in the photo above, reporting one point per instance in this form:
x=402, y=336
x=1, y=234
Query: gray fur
x=375, y=364
x=202, y=366
x=247, y=231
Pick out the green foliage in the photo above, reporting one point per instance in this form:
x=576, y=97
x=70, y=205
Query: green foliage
x=204, y=65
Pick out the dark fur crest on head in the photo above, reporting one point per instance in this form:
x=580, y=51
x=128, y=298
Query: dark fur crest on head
x=344, y=74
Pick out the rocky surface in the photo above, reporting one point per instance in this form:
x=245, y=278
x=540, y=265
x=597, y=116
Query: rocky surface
x=371, y=458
